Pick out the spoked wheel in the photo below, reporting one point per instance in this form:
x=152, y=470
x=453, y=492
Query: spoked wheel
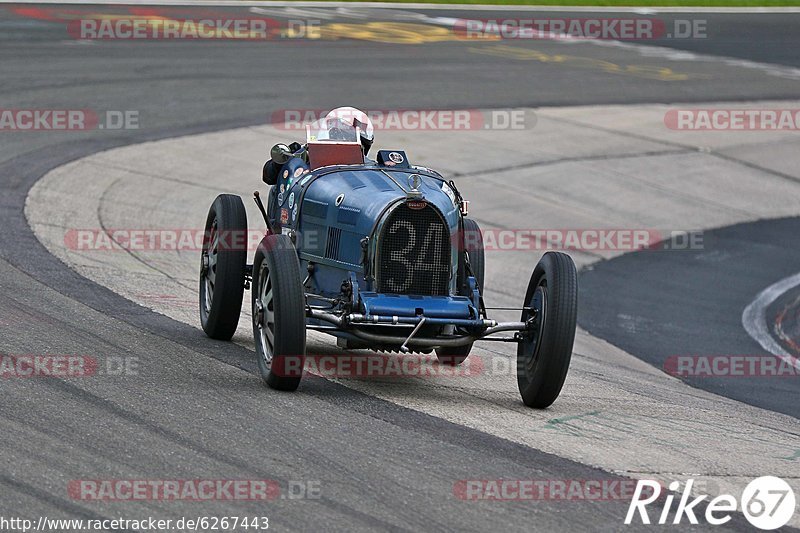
x=473, y=243
x=222, y=267
x=279, y=324
x=544, y=353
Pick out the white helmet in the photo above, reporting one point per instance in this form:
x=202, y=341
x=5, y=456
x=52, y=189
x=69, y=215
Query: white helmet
x=358, y=119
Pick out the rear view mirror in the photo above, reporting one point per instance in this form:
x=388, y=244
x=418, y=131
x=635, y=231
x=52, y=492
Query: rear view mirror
x=280, y=153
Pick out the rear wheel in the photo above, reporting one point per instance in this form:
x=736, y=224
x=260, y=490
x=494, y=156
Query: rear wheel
x=279, y=324
x=473, y=244
x=222, y=267
x=544, y=353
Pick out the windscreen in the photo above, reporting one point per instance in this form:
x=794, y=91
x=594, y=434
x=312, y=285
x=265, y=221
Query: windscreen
x=332, y=130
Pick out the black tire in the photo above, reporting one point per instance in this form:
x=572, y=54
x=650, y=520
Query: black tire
x=222, y=267
x=473, y=243
x=279, y=314
x=543, y=356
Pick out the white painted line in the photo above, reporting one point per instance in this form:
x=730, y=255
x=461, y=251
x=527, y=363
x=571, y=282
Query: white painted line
x=412, y=5
x=754, y=318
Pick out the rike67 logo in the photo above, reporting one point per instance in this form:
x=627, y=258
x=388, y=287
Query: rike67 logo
x=767, y=503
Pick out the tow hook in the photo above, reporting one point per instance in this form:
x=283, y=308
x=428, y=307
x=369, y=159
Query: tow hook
x=404, y=347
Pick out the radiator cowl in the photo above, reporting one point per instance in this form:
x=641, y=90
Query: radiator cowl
x=413, y=255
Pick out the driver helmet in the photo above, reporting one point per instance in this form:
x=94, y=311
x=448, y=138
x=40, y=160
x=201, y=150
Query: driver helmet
x=356, y=118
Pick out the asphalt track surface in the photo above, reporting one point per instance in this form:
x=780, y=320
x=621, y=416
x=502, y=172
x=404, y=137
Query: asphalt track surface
x=707, y=320
x=195, y=409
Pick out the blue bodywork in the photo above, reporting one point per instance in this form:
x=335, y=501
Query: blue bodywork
x=335, y=216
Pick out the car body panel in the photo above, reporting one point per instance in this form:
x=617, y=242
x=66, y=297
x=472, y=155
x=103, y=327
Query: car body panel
x=336, y=213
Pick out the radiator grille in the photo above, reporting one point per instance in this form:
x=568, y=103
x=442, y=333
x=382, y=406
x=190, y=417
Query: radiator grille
x=332, y=246
x=414, y=253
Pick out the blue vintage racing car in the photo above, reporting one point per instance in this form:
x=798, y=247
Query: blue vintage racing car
x=381, y=255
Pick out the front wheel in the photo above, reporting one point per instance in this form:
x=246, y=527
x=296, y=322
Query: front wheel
x=279, y=322
x=544, y=353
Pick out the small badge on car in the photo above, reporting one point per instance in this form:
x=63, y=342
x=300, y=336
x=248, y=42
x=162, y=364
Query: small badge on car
x=339, y=200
